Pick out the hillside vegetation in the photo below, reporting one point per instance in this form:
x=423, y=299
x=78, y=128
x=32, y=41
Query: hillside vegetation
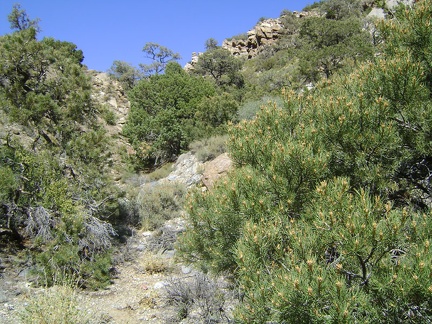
x=170, y=110
x=326, y=217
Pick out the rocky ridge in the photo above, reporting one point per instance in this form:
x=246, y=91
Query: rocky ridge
x=268, y=31
x=265, y=33
x=109, y=93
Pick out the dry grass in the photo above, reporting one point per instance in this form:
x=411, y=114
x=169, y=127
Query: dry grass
x=153, y=263
x=158, y=203
x=58, y=304
x=161, y=172
x=150, y=300
x=209, y=148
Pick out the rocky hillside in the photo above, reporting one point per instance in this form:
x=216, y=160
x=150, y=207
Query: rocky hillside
x=268, y=31
x=110, y=95
x=114, y=108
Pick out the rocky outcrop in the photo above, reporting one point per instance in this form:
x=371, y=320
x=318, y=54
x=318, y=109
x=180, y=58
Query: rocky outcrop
x=376, y=13
x=268, y=31
x=191, y=65
x=189, y=171
x=186, y=170
x=390, y=5
x=264, y=33
x=113, y=107
x=111, y=97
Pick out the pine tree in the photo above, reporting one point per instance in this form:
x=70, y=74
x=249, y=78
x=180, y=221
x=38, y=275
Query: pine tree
x=327, y=216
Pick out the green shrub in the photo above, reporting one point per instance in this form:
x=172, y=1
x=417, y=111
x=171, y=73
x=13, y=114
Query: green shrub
x=56, y=194
x=110, y=117
x=243, y=36
x=214, y=113
x=8, y=183
x=345, y=247
x=159, y=202
x=314, y=5
x=272, y=70
x=221, y=66
x=160, y=132
x=343, y=9
x=79, y=248
x=278, y=175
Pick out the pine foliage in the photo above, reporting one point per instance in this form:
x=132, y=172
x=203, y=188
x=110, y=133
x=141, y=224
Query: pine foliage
x=56, y=197
x=327, y=216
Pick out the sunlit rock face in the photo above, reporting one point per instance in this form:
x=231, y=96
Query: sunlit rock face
x=264, y=33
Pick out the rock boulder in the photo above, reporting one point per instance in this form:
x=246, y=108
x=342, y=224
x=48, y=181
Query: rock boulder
x=215, y=169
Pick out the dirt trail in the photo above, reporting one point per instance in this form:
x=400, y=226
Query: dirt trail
x=137, y=294
x=139, y=289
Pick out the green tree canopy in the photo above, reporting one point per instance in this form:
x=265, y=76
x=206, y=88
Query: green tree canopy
x=211, y=44
x=326, y=44
x=221, y=65
x=54, y=188
x=19, y=20
x=342, y=9
x=162, y=118
x=43, y=83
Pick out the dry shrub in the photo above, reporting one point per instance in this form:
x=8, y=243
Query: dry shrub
x=39, y=224
x=58, y=304
x=159, y=202
x=199, y=299
x=150, y=300
x=209, y=148
x=153, y=263
x=96, y=235
x=165, y=240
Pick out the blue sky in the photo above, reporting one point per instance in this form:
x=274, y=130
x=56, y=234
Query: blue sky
x=108, y=30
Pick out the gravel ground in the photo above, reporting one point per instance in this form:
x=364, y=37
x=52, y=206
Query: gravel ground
x=140, y=289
